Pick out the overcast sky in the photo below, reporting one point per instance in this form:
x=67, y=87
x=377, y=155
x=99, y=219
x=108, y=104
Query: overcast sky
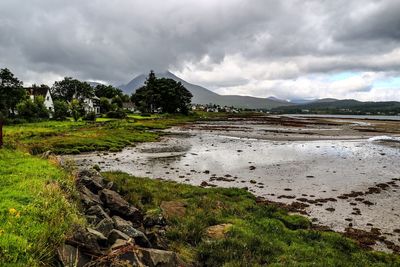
x=288, y=49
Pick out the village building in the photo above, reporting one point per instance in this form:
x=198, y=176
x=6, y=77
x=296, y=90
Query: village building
x=91, y=104
x=34, y=92
x=129, y=106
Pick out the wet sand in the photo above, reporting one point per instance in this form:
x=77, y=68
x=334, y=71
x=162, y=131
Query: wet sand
x=333, y=169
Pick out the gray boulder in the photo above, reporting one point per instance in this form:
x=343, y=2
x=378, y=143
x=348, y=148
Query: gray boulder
x=127, y=228
x=119, y=206
x=88, y=198
x=97, y=211
x=114, y=235
x=105, y=226
x=159, y=258
x=71, y=256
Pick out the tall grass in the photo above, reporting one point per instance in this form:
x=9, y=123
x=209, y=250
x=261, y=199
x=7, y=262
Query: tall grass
x=35, y=213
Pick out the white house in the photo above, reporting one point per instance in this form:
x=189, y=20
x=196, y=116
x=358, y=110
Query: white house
x=92, y=104
x=45, y=93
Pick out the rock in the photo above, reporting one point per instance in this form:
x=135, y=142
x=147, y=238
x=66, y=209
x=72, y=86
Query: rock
x=218, y=231
x=94, y=175
x=101, y=239
x=86, y=241
x=87, y=197
x=97, y=211
x=172, y=209
x=157, y=240
x=159, y=258
x=91, y=184
x=128, y=229
x=151, y=220
x=116, y=234
x=92, y=219
x=112, y=186
x=120, y=243
x=122, y=256
x=47, y=154
x=71, y=256
x=120, y=206
x=105, y=226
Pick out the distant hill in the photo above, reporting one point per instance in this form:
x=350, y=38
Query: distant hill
x=307, y=101
x=347, y=106
x=93, y=84
x=202, y=95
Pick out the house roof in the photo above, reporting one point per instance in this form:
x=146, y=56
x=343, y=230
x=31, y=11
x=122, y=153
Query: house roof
x=37, y=91
x=128, y=105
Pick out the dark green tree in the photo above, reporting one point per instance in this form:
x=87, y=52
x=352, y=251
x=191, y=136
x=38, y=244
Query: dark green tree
x=33, y=109
x=70, y=88
x=175, y=98
x=117, y=100
x=105, y=105
x=61, y=110
x=107, y=91
x=77, y=109
x=11, y=92
x=165, y=95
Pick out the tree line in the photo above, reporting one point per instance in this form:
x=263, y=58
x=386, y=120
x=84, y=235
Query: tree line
x=69, y=96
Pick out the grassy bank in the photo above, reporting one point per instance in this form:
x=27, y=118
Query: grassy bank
x=259, y=234
x=68, y=137
x=35, y=213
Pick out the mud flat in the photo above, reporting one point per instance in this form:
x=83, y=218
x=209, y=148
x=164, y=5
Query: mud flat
x=340, y=172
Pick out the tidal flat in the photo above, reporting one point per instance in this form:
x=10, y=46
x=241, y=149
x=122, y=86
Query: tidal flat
x=340, y=172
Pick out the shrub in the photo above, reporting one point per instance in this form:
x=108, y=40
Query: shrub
x=117, y=114
x=91, y=116
x=61, y=110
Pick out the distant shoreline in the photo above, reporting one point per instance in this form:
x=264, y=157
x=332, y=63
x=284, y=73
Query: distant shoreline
x=339, y=116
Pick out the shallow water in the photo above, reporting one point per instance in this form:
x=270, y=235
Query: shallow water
x=278, y=170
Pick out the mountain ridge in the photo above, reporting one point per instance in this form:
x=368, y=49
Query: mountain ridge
x=202, y=95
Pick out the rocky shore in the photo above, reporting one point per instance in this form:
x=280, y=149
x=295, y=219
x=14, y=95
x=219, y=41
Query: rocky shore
x=117, y=234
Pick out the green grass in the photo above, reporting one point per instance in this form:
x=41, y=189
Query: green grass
x=35, y=213
x=260, y=234
x=68, y=137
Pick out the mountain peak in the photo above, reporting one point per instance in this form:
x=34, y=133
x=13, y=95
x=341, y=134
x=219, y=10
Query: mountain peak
x=202, y=95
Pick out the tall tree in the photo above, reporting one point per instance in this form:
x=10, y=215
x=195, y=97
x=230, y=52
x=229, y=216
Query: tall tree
x=70, y=88
x=11, y=92
x=107, y=91
x=162, y=94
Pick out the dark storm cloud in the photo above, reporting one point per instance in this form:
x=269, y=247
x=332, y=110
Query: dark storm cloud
x=114, y=40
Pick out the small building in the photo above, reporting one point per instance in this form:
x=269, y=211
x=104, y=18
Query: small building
x=91, y=104
x=34, y=92
x=129, y=106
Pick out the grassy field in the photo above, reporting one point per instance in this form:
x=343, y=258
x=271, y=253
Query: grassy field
x=35, y=214
x=68, y=137
x=260, y=235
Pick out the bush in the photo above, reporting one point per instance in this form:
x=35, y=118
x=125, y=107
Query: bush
x=91, y=116
x=32, y=110
x=61, y=110
x=117, y=114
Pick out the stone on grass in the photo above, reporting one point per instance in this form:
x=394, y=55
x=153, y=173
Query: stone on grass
x=117, y=205
x=218, y=231
x=127, y=228
x=88, y=198
x=172, y=209
x=159, y=258
x=105, y=226
x=116, y=234
x=71, y=256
